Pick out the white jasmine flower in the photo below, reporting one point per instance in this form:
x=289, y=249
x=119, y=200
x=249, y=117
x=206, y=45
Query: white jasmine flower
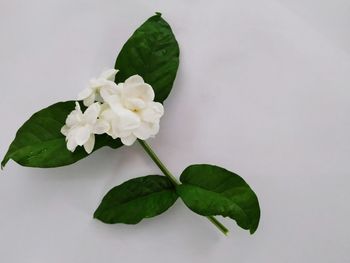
x=132, y=113
x=126, y=111
x=80, y=127
x=104, y=82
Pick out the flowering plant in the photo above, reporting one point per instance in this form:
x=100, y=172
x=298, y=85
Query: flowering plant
x=122, y=106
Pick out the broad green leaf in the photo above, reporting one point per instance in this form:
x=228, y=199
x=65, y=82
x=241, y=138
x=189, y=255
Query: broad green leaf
x=211, y=190
x=136, y=199
x=153, y=53
x=40, y=143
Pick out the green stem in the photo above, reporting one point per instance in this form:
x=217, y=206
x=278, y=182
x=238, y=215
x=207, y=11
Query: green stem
x=158, y=162
x=175, y=182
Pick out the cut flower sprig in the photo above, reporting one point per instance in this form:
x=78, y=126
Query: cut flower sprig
x=119, y=107
x=125, y=111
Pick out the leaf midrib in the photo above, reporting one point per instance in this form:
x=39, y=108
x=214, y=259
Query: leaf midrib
x=31, y=145
x=137, y=199
x=224, y=197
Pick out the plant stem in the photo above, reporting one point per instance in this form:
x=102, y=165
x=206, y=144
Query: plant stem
x=174, y=181
x=158, y=162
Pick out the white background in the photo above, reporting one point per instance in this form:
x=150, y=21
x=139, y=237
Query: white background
x=263, y=89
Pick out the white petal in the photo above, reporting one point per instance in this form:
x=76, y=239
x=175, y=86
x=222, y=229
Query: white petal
x=158, y=108
x=128, y=120
x=89, y=100
x=71, y=145
x=101, y=126
x=114, y=130
x=122, y=120
x=155, y=128
x=77, y=106
x=141, y=91
x=144, y=131
x=109, y=90
x=135, y=104
x=81, y=134
x=85, y=93
x=115, y=103
x=104, y=106
x=152, y=112
x=74, y=118
x=129, y=140
x=89, y=145
x=107, y=113
x=109, y=74
x=92, y=112
x=122, y=133
x=112, y=119
x=96, y=83
x=64, y=130
x=135, y=79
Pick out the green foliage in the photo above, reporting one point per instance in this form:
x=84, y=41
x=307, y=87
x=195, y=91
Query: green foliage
x=136, y=199
x=211, y=190
x=153, y=53
x=207, y=190
x=40, y=143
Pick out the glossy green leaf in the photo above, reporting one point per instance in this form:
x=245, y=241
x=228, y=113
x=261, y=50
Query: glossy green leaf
x=153, y=53
x=136, y=199
x=40, y=143
x=211, y=190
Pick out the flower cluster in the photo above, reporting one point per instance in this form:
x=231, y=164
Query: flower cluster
x=125, y=110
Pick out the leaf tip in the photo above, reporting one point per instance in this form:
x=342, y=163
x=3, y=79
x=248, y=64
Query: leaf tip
x=95, y=215
x=158, y=14
x=253, y=229
x=4, y=162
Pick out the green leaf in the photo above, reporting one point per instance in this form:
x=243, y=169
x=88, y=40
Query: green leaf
x=211, y=190
x=40, y=143
x=153, y=53
x=136, y=199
